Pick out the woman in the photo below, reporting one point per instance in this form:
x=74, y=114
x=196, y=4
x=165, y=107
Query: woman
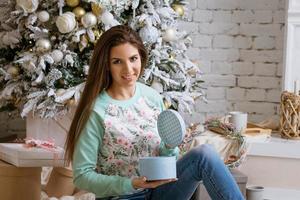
x=115, y=124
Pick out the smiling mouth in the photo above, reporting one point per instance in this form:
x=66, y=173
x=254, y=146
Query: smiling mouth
x=128, y=77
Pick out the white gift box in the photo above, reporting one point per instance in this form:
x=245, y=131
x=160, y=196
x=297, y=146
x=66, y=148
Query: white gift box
x=21, y=156
x=49, y=129
x=158, y=168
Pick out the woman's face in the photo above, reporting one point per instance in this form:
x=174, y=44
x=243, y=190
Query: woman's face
x=125, y=65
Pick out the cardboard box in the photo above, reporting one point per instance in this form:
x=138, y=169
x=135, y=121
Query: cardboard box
x=20, y=183
x=21, y=156
x=60, y=183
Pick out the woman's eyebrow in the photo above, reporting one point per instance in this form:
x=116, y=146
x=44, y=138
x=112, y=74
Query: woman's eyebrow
x=121, y=58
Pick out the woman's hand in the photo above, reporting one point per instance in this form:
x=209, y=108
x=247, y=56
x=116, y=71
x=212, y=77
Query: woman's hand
x=141, y=182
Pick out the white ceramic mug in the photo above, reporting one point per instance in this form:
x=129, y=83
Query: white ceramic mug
x=255, y=192
x=238, y=119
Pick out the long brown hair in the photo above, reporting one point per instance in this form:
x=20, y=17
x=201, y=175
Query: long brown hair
x=99, y=78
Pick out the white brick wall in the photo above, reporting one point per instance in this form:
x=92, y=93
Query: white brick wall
x=238, y=45
x=241, y=43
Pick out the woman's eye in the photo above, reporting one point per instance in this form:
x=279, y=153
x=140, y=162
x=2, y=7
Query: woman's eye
x=116, y=62
x=133, y=59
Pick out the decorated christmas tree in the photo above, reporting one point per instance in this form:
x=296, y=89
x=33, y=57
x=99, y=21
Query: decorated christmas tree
x=46, y=46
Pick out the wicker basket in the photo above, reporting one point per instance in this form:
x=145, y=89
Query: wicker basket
x=290, y=116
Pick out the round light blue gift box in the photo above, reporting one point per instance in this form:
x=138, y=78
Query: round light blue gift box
x=158, y=168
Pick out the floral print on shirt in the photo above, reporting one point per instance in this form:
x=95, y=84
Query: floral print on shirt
x=129, y=133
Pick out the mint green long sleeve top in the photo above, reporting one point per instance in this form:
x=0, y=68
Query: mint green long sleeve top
x=116, y=134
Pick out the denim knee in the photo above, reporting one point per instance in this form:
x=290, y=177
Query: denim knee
x=203, y=150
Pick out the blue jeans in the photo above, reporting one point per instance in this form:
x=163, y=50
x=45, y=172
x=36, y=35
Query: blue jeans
x=202, y=163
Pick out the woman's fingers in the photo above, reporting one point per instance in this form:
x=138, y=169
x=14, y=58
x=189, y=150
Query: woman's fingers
x=141, y=182
x=154, y=184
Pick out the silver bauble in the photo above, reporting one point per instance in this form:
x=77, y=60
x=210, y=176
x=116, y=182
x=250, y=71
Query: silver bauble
x=43, y=45
x=89, y=20
x=170, y=35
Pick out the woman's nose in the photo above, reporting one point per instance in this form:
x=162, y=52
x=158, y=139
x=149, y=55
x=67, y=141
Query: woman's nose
x=128, y=66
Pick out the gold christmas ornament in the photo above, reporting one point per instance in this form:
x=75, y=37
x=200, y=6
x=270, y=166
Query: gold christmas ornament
x=179, y=9
x=97, y=9
x=13, y=71
x=72, y=3
x=79, y=12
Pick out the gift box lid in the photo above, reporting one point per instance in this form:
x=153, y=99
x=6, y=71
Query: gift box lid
x=19, y=155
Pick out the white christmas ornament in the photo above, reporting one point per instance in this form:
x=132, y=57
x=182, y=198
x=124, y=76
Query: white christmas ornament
x=28, y=6
x=43, y=16
x=89, y=20
x=57, y=55
x=60, y=92
x=66, y=22
x=157, y=86
x=170, y=35
x=86, y=69
x=149, y=34
x=43, y=45
x=107, y=17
